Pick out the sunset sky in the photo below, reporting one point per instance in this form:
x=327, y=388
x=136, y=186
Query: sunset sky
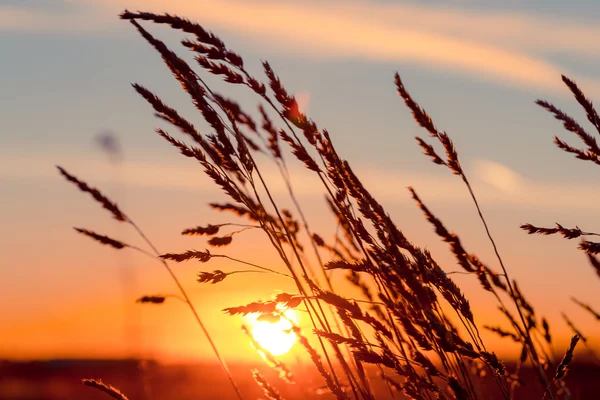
x=476, y=66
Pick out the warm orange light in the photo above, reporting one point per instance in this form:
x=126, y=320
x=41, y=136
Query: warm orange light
x=275, y=337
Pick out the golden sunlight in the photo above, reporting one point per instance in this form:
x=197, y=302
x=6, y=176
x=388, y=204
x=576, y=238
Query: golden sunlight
x=275, y=337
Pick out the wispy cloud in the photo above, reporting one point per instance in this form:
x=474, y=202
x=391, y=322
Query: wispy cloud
x=98, y=171
x=495, y=183
x=14, y=19
x=507, y=48
x=499, y=177
x=17, y=17
x=537, y=33
x=499, y=184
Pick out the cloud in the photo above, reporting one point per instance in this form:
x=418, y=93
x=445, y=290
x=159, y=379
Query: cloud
x=499, y=47
x=13, y=19
x=538, y=33
x=499, y=176
x=499, y=184
x=98, y=171
x=45, y=19
x=506, y=48
x=494, y=183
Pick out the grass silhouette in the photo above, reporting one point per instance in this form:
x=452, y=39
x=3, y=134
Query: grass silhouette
x=412, y=323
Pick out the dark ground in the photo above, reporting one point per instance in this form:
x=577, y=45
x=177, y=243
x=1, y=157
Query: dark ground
x=59, y=380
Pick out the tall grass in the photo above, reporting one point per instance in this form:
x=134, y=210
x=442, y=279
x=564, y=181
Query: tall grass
x=412, y=322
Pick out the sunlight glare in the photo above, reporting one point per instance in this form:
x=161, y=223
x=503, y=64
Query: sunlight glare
x=274, y=336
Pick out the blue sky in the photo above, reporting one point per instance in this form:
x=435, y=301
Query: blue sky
x=475, y=66
x=78, y=56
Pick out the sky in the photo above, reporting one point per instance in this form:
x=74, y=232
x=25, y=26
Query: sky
x=476, y=66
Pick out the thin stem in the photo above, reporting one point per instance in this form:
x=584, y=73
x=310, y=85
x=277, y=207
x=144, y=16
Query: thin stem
x=251, y=264
x=239, y=225
x=527, y=336
x=263, y=269
x=192, y=308
x=242, y=230
x=286, y=177
x=144, y=252
x=589, y=234
x=323, y=322
x=242, y=271
x=549, y=389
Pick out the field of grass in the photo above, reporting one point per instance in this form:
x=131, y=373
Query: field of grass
x=410, y=333
x=60, y=379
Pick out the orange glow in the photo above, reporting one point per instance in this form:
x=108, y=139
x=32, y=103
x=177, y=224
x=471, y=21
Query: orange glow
x=276, y=337
x=303, y=100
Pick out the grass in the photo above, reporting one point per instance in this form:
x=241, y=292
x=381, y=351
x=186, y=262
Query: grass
x=412, y=322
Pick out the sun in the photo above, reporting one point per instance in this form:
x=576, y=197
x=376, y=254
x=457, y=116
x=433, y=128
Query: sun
x=275, y=337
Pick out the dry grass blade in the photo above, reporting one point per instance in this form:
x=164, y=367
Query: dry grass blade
x=281, y=94
x=580, y=154
x=316, y=359
x=172, y=116
x=335, y=338
x=587, y=105
x=492, y=360
x=188, y=151
x=151, y=299
x=284, y=372
x=586, y=307
x=220, y=241
x=567, y=233
x=213, y=277
x=442, y=232
x=269, y=391
x=267, y=307
x=102, y=239
x=340, y=302
x=571, y=125
x=238, y=210
x=202, y=230
x=371, y=357
x=419, y=114
x=546, y=331
x=288, y=300
x=175, y=22
x=429, y=151
x=356, y=266
x=355, y=311
x=95, y=193
x=563, y=367
x=595, y=263
x=520, y=298
x=108, y=389
x=571, y=325
x=591, y=248
x=423, y=119
x=202, y=256
x=593, y=151
x=273, y=139
x=220, y=69
x=503, y=333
